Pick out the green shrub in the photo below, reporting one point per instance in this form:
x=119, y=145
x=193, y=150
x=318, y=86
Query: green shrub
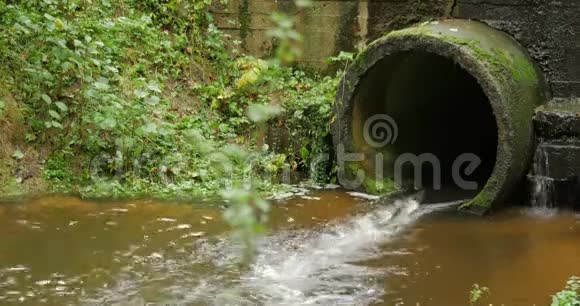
x=144, y=97
x=570, y=296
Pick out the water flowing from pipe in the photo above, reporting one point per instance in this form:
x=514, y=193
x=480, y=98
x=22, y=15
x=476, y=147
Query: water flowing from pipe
x=293, y=267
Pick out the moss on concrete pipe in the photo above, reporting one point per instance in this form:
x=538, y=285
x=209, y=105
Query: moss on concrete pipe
x=449, y=89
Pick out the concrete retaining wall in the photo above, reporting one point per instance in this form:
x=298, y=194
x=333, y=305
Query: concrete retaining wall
x=558, y=132
x=550, y=30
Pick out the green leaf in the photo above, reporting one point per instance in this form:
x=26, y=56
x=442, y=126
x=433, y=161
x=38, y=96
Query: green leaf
x=343, y=57
x=18, y=155
x=46, y=99
x=78, y=43
x=57, y=124
x=59, y=24
x=112, y=69
x=249, y=78
x=153, y=100
x=224, y=127
x=102, y=84
x=108, y=124
x=66, y=66
x=304, y=153
x=140, y=93
x=125, y=143
x=61, y=43
x=54, y=114
x=154, y=87
x=149, y=128
x=61, y=106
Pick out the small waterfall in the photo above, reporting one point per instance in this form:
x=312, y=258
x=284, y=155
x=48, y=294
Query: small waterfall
x=542, y=183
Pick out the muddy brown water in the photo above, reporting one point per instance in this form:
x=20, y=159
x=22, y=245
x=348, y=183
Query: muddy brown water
x=326, y=248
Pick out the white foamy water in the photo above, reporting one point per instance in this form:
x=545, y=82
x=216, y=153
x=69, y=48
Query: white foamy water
x=542, y=184
x=314, y=267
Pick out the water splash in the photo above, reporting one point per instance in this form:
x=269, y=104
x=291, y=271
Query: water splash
x=294, y=267
x=321, y=268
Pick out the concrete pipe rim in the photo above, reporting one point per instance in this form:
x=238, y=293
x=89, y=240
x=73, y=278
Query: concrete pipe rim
x=500, y=181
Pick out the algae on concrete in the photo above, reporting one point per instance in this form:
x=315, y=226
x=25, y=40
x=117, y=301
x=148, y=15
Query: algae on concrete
x=511, y=80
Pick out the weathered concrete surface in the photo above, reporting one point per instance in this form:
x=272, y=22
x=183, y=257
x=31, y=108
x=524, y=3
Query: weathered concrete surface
x=512, y=84
x=558, y=128
x=550, y=30
x=328, y=27
x=562, y=166
x=563, y=159
x=558, y=119
x=389, y=15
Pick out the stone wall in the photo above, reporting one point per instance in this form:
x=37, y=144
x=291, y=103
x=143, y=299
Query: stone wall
x=558, y=133
x=550, y=30
x=328, y=27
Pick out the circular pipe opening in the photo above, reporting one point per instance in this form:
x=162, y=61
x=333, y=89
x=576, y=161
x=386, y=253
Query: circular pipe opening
x=439, y=109
x=450, y=88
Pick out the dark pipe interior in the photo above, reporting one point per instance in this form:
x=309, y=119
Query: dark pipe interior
x=439, y=108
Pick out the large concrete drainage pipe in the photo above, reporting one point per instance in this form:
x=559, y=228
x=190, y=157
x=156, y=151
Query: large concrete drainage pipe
x=445, y=106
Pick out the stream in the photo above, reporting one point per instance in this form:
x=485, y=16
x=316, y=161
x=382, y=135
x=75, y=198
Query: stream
x=322, y=248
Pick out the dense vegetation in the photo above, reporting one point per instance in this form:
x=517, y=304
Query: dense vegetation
x=133, y=98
